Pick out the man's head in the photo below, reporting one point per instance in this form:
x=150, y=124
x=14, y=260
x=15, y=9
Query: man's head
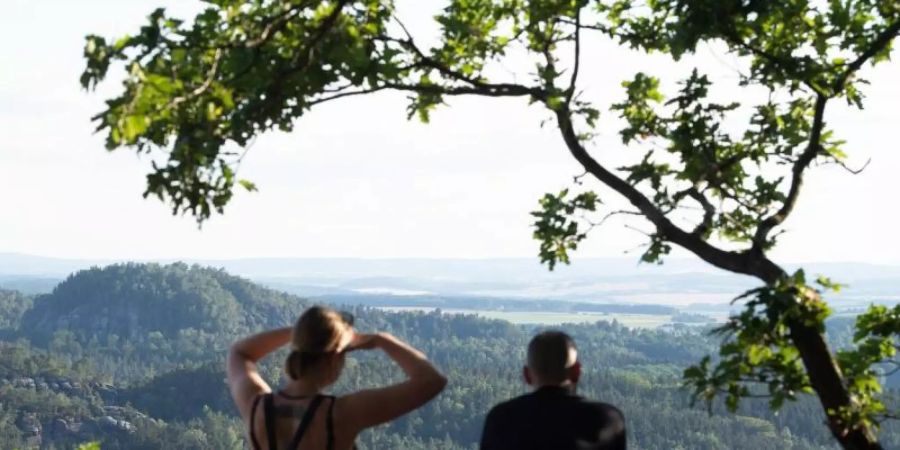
x=552, y=360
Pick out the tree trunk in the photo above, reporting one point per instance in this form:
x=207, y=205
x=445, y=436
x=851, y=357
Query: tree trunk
x=824, y=374
x=826, y=379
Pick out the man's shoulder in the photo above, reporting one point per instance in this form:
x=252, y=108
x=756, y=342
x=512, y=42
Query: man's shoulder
x=513, y=404
x=606, y=410
x=582, y=405
x=596, y=404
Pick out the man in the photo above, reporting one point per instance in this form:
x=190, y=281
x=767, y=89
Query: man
x=553, y=417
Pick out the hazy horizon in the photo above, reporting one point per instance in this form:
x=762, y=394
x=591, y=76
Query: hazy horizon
x=635, y=257
x=679, y=282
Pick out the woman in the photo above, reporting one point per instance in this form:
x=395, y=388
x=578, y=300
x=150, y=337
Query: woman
x=299, y=416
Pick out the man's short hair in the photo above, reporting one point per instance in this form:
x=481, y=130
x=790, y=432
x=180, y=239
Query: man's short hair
x=549, y=355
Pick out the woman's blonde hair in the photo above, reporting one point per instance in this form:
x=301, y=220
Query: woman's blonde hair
x=317, y=333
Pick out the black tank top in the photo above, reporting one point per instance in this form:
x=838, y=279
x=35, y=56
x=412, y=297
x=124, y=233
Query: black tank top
x=269, y=418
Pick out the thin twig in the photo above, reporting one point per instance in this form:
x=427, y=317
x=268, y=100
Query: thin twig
x=329, y=98
x=850, y=169
x=571, y=91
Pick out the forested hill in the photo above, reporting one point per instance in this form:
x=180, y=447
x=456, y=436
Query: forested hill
x=132, y=355
x=162, y=315
x=131, y=300
x=13, y=306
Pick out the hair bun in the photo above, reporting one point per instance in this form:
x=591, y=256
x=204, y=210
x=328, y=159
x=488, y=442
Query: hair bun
x=294, y=364
x=298, y=360
x=317, y=333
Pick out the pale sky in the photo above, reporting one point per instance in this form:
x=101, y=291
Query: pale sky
x=355, y=179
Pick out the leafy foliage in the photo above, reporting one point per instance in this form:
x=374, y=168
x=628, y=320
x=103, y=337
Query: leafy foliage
x=554, y=227
x=872, y=358
x=758, y=349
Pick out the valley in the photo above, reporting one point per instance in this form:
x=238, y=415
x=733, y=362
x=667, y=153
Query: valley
x=131, y=356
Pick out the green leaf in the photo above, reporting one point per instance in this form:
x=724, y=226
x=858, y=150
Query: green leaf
x=135, y=125
x=248, y=185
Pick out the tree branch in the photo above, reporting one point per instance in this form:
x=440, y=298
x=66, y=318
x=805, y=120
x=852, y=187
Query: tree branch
x=733, y=261
x=210, y=77
x=709, y=212
x=844, y=166
x=488, y=90
x=318, y=34
x=883, y=40
x=733, y=39
x=568, y=21
x=610, y=215
x=427, y=61
x=273, y=25
x=570, y=92
x=344, y=94
x=800, y=166
x=300, y=61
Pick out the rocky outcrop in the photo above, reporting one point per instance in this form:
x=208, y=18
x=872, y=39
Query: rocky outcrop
x=107, y=392
x=37, y=430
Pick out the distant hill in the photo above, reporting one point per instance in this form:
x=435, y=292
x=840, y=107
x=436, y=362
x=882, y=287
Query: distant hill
x=28, y=284
x=22, y=265
x=139, y=319
x=131, y=300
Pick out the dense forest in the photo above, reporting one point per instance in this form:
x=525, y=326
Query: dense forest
x=132, y=356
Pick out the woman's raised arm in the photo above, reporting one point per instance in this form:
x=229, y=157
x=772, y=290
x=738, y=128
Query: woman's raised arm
x=371, y=407
x=244, y=380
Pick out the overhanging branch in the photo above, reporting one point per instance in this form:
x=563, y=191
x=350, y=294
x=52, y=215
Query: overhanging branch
x=709, y=212
x=732, y=261
x=429, y=62
x=484, y=89
x=781, y=63
x=570, y=92
x=800, y=165
x=883, y=40
x=277, y=24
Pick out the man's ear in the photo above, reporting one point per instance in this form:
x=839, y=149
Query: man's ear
x=575, y=372
x=527, y=375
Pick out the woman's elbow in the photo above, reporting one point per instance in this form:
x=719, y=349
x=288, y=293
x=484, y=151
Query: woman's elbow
x=236, y=354
x=436, y=384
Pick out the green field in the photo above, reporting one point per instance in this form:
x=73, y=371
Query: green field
x=552, y=318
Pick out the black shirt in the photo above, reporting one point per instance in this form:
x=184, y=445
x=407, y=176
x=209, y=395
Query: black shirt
x=551, y=418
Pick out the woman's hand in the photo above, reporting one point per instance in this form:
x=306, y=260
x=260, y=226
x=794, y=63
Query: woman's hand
x=362, y=341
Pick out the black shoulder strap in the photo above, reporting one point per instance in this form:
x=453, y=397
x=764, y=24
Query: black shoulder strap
x=253, y=422
x=329, y=425
x=305, y=421
x=269, y=415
